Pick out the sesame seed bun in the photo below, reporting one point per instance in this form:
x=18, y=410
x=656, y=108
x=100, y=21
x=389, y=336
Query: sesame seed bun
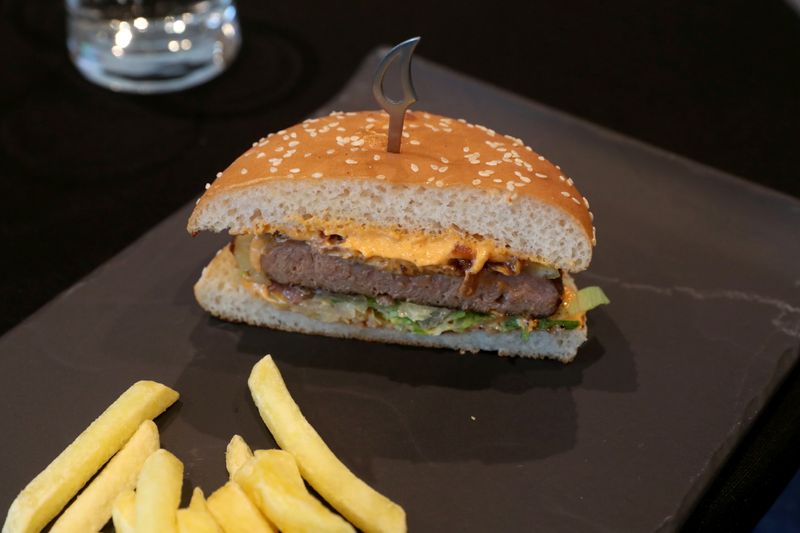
x=448, y=175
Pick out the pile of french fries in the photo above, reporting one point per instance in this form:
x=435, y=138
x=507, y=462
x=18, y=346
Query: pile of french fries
x=139, y=484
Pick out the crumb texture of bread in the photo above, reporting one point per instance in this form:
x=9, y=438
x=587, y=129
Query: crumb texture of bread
x=450, y=175
x=220, y=292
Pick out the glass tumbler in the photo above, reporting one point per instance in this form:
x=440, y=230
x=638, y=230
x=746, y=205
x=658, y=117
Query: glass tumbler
x=152, y=46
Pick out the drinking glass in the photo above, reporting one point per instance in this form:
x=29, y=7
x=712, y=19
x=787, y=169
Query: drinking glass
x=152, y=46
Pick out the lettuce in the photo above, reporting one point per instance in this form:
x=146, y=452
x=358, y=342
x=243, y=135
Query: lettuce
x=587, y=299
x=427, y=320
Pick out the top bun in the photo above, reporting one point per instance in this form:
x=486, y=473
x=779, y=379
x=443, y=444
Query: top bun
x=449, y=175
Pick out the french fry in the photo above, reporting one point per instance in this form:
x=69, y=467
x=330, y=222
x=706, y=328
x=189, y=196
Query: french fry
x=56, y=485
x=158, y=493
x=234, y=511
x=355, y=500
x=197, y=518
x=123, y=512
x=92, y=509
x=273, y=482
x=236, y=454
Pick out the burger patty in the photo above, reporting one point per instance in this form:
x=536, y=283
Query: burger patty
x=296, y=263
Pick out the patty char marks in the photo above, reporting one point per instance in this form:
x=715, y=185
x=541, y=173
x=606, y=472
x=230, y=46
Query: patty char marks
x=296, y=263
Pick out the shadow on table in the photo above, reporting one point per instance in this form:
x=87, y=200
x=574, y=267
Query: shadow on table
x=373, y=400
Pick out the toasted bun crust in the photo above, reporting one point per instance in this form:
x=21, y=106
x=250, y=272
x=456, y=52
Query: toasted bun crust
x=220, y=292
x=448, y=174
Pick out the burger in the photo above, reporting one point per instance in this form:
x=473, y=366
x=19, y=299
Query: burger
x=465, y=239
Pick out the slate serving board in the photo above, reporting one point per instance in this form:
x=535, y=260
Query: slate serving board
x=705, y=322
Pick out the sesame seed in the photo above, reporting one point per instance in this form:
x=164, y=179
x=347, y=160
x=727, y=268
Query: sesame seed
x=273, y=170
x=576, y=200
x=293, y=144
x=541, y=158
x=586, y=202
x=414, y=167
x=380, y=177
x=475, y=161
x=510, y=186
x=406, y=135
x=244, y=171
x=466, y=149
x=285, y=137
x=260, y=155
x=281, y=132
x=525, y=179
x=444, y=160
x=485, y=173
x=307, y=154
x=493, y=163
x=219, y=174
x=539, y=175
x=330, y=151
x=439, y=183
x=294, y=170
x=255, y=144
x=476, y=181
x=434, y=167
x=591, y=216
x=293, y=135
x=340, y=129
x=414, y=142
x=497, y=180
x=376, y=157
x=565, y=194
x=370, y=119
x=350, y=161
x=430, y=179
x=562, y=178
x=570, y=182
x=443, y=169
x=279, y=149
x=208, y=186
x=316, y=175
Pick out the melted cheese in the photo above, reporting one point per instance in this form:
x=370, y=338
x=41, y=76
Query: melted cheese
x=421, y=249
x=418, y=248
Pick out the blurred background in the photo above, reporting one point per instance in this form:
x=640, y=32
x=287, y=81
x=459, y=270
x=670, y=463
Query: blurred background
x=84, y=171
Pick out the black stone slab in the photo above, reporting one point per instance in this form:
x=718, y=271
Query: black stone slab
x=705, y=322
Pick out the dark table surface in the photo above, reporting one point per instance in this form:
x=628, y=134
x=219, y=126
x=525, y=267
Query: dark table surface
x=83, y=171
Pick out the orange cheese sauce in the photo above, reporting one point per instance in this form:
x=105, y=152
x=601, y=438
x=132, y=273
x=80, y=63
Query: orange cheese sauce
x=421, y=249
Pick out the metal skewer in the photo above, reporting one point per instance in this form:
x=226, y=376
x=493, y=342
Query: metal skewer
x=396, y=108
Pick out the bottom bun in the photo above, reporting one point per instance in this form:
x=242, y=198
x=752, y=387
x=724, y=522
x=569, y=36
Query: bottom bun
x=221, y=292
